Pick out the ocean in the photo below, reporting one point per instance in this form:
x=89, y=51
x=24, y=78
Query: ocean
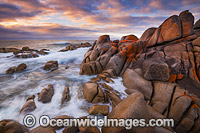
x=15, y=88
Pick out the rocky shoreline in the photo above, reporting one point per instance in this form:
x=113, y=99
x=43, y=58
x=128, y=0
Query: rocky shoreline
x=160, y=70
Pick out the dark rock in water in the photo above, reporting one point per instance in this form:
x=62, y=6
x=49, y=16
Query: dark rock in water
x=21, y=67
x=46, y=94
x=14, y=69
x=28, y=106
x=31, y=97
x=7, y=50
x=41, y=129
x=25, y=48
x=65, y=96
x=75, y=46
x=10, y=126
x=51, y=65
x=11, y=70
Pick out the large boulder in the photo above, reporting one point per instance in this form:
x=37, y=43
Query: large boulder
x=93, y=93
x=169, y=30
x=147, y=34
x=187, y=23
x=133, y=107
x=10, y=126
x=154, y=69
x=46, y=94
x=132, y=80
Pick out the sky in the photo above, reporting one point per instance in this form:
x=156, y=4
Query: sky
x=86, y=19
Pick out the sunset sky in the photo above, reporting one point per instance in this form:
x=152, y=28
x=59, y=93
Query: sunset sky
x=86, y=19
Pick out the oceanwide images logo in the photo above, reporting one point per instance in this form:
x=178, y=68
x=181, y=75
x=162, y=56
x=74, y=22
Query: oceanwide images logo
x=45, y=121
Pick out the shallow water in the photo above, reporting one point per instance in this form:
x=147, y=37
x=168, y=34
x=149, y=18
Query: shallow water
x=14, y=89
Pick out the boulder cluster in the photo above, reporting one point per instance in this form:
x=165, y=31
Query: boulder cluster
x=161, y=71
x=25, y=52
x=74, y=47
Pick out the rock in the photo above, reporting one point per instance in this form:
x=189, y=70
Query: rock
x=46, y=94
x=51, y=65
x=10, y=126
x=28, y=106
x=147, y=34
x=188, y=120
x=162, y=95
x=187, y=23
x=31, y=97
x=41, y=129
x=11, y=70
x=112, y=97
x=103, y=39
x=89, y=130
x=99, y=109
x=155, y=70
x=196, y=42
x=169, y=30
x=66, y=95
x=71, y=130
x=21, y=67
x=133, y=107
x=179, y=105
x=132, y=80
x=130, y=37
x=25, y=48
x=62, y=117
x=8, y=50
x=93, y=93
x=197, y=25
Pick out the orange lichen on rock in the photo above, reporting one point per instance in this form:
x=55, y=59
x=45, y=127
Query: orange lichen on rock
x=172, y=78
x=104, y=49
x=195, y=106
x=123, y=54
x=195, y=75
x=180, y=76
x=185, y=95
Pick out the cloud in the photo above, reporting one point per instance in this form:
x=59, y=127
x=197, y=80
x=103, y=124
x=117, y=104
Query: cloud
x=68, y=18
